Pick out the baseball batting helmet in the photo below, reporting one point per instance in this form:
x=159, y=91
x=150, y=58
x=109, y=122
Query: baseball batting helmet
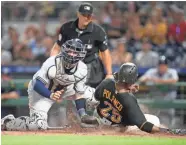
x=73, y=51
x=127, y=73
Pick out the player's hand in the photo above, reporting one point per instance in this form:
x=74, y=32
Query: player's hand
x=134, y=88
x=177, y=131
x=57, y=95
x=59, y=100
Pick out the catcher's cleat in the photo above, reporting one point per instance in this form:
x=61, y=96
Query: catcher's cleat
x=89, y=121
x=5, y=120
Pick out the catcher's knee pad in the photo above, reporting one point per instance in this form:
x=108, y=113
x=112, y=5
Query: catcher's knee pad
x=37, y=121
x=38, y=124
x=17, y=124
x=153, y=119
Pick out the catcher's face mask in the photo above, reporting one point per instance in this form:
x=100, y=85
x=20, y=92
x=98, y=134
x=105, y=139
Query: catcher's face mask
x=72, y=52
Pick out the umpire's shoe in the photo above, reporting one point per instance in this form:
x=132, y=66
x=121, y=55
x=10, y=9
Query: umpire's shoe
x=89, y=121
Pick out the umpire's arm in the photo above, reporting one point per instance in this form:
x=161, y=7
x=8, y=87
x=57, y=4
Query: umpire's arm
x=57, y=46
x=105, y=53
x=107, y=61
x=55, y=50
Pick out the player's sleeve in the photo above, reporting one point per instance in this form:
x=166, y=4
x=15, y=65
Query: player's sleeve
x=61, y=36
x=43, y=73
x=102, y=41
x=133, y=111
x=99, y=91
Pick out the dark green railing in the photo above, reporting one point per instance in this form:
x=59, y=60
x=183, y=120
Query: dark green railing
x=179, y=104
x=23, y=101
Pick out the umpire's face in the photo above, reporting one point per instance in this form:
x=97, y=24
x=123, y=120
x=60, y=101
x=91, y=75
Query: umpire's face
x=84, y=19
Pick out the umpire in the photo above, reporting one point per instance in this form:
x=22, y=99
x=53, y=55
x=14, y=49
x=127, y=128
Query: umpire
x=95, y=40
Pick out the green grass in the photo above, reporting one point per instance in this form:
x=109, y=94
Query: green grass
x=87, y=140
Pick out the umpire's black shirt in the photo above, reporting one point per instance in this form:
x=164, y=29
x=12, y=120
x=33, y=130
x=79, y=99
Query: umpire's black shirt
x=93, y=37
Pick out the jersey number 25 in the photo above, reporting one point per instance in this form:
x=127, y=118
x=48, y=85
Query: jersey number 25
x=114, y=115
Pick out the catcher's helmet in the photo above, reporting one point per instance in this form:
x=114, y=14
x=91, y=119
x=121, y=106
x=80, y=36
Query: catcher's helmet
x=127, y=73
x=73, y=51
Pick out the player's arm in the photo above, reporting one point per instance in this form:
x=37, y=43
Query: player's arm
x=136, y=117
x=99, y=90
x=55, y=50
x=57, y=46
x=107, y=61
x=147, y=76
x=168, y=81
x=105, y=53
x=172, y=80
x=44, y=75
x=40, y=88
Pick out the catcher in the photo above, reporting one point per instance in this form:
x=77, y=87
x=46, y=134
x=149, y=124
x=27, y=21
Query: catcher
x=117, y=106
x=60, y=77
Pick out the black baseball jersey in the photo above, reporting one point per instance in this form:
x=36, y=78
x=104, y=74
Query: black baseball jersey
x=93, y=37
x=119, y=108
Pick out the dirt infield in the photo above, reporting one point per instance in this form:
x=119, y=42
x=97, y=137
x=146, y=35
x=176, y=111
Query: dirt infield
x=91, y=131
x=75, y=129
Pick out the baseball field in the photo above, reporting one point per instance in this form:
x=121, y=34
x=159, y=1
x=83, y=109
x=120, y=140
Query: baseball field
x=89, y=137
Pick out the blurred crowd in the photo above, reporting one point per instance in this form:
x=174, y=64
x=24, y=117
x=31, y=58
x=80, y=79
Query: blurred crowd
x=138, y=32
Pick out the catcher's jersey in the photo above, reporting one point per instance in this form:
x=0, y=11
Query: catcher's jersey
x=118, y=108
x=53, y=75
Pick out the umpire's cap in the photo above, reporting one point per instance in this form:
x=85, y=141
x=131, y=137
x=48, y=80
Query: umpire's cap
x=127, y=73
x=163, y=60
x=86, y=9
